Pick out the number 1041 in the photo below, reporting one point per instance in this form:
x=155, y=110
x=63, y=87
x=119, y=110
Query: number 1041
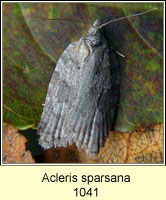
x=82, y=192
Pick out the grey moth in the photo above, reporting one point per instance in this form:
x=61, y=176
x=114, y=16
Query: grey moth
x=80, y=102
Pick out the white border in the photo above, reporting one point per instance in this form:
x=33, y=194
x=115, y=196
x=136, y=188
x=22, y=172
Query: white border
x=84, y=164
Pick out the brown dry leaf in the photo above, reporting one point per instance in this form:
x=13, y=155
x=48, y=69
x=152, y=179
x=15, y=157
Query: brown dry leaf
x=14, y=149
x=144, y=145
x=61, y=155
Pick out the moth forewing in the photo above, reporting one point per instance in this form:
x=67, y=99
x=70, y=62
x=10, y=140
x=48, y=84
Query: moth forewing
x=80, y=102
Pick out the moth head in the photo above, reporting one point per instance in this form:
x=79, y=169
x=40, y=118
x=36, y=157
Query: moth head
x=94, y=37
x=95, y=27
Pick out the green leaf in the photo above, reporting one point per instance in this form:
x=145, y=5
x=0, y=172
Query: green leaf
x=26, y=71
x=33, y=45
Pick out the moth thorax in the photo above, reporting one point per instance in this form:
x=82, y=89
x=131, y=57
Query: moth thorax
x=94, y=37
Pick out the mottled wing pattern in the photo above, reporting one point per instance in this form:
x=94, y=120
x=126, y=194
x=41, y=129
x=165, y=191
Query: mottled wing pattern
x=90, y=117
x=77, y=107
x=57, y=100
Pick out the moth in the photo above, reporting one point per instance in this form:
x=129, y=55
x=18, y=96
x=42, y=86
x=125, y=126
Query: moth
x=80, y=106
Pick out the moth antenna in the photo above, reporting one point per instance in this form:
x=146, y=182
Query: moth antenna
x=61, y=19
x=126, y=17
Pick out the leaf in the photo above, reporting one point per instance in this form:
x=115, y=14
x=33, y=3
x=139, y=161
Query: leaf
x=26, y=71
x=14, y=149
x=61, y=155
x=32, y=47
x=144, y=145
